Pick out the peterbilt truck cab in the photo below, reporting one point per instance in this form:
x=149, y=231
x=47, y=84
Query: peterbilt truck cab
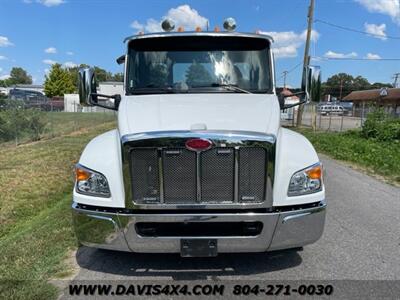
x=199, y=163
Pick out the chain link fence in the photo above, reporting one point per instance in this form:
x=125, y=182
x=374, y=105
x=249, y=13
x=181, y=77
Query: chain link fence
x=336, y=121
x=24, y=121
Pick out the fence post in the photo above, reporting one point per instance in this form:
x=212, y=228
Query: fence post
x=341, y=124
x=362, y=114
x=330, y=120
x=319, y=123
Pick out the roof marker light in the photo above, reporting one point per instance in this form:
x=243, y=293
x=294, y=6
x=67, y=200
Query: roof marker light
x=198, y=29
x=216, y=29
x=181, y=29
x=230, y=24
x=168, y=25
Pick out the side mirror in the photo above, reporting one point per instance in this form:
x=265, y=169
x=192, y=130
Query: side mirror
x=87, y=87
x=310, y=88
x=88, y=91
x=311, y=85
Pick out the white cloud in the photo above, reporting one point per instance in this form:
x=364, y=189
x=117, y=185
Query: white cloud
x=5, y=42
x=50, y=50
x=1, y=70
x=4, y=77
x=49, y=62
x=2, y=57
x=376, y=30
x=331, y=54
x=286, y=43
x=69, y=64
x=182, y=15
x=386, y=7
x=50, y=3
x=372, y=56
x=46, y=71
x=69, y=53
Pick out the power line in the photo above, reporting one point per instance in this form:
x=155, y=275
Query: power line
x=285, y=73
x=356, y=30
x=355, y=58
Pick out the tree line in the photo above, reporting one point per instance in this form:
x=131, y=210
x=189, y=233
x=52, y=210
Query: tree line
x=59, y=80
x=342, y=84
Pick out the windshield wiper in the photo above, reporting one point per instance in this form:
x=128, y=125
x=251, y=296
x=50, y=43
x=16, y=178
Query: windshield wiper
x=227, y=86
x=152, y=88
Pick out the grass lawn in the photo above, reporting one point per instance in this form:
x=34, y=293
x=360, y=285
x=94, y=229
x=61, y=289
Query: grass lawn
x=379, y=158
x=36, y=182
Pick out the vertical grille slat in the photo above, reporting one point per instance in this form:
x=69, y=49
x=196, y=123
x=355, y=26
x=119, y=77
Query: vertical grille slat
x=145, y=175
x=179, y=173
x=217, y=175
x=252, y=172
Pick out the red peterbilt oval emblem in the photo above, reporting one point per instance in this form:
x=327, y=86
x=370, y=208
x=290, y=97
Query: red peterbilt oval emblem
x=198, y=144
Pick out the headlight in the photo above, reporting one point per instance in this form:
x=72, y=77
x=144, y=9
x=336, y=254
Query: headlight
x=306, y=181
x=91, y=183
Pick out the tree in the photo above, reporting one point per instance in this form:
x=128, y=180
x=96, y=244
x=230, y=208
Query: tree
x=197, y=74
x=101, y=74
x=18, y=76
x=379, y=85
x=118, y=77
x=340, y=85
x=58, y=82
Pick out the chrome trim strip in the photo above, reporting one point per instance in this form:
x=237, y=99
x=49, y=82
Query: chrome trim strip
x=160, y=175
x=198, y=176
x=194, y=33
x=233, y=136
x=236, y=179
x=105, y=219
x=291, y=217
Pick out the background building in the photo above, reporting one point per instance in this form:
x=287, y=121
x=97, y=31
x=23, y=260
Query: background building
x=363, y=101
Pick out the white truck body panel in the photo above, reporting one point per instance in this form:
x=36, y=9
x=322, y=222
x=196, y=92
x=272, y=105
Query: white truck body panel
x=218, y=111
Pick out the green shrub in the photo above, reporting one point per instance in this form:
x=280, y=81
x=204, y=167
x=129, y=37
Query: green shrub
x=19, y=123
x=381, y=126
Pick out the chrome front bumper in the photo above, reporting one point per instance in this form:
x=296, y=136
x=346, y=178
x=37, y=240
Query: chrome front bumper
x=281, y=229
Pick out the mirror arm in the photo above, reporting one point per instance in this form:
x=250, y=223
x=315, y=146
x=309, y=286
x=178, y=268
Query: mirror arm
x=116, y=97
x=294, y=104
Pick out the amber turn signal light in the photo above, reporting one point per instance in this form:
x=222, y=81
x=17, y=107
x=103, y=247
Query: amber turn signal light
x=81, y=174
x=315, y=173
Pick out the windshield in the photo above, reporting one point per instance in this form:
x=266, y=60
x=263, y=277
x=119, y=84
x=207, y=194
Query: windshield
x=200, y=64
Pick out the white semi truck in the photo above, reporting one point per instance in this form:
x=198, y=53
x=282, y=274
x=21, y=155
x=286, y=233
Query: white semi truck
x=199, y=163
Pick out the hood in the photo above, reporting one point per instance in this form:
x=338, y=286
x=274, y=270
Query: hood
x=246, y=112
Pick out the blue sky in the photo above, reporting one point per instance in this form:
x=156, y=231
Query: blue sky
x=36, y=33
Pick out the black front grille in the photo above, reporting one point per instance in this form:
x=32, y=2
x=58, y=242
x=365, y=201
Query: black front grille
x=145, y=175
x=181, y=176
x=252, y=171
x=217, y=175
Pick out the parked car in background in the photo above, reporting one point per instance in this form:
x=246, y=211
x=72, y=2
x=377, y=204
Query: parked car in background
x=331, y=110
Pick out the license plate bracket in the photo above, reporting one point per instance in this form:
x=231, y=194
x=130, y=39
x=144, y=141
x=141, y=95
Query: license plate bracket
x=199, y=247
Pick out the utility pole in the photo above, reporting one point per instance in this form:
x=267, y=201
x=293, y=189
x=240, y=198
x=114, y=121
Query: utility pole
x=341, y=88
x=396, y=77
x=284, y=78
x=306, y=60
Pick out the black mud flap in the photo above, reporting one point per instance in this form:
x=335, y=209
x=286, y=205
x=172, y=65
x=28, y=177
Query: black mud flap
x=199, y=247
